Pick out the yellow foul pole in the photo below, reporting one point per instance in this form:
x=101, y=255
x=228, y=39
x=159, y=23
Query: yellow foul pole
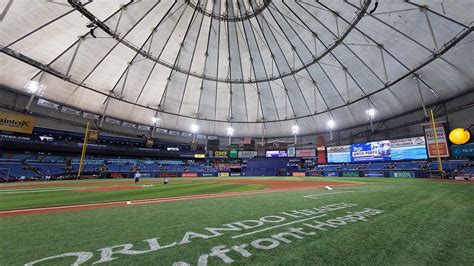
x=84, y=148
x=440, y=165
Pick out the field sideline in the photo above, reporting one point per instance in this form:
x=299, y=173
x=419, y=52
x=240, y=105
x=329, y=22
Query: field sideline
x=377, y=221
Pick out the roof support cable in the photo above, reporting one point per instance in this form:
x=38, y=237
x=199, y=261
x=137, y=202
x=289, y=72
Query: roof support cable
x=415, y=76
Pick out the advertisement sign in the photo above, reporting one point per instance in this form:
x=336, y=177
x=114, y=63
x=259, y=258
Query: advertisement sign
x=431, y=142
x=306, y=153
x=332, y=174
x=93, y=135
x=299, y=174
x=375, y=174
x=47, y=104
x=129, y=125
x=197, y=155
x=466, y=150
x=276, y=145
x=339, y=154
x=315, y=173
x=189, y=174
x=234, y=153
x=372, y=151
x=225, y=174
x=17, y=123
x=70, y=111
x=149, y=142
x=402, y=174
x=291, y=151
x=144, y=128
x=90, y=116
x=351, y=174
x=207, y=174
x=113, y=121
x=321, y=149
x=168, y=174
x=276, y=154
x=247, y=154
x=408, y=149
x=221, y=154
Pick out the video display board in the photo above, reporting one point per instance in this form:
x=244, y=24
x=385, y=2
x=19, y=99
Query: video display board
x=408, y=149
x=277, y=154
x=370, y=152
x=387, y=150
x=339, y=154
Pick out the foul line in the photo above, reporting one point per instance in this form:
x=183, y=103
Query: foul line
x=277, y=226
x=318, y=195
x=34, y=191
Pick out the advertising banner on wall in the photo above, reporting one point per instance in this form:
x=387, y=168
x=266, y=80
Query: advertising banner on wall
x=47, y=104
x=221, y=154
x=247, y=154
x=189, y=174
x=144, y=128
x=431, y=141
x=90, y=116
x=276, y=145
x=70, y=111
x=276, y=154
x=149, y=142
x=372, y=151
x=465, y=150
x=306, y=153
x=113, y=121
x=17, y=123
x=291, y=151
x=321, y=149
x=234, y=153
x=129, y=125
x=299, y=174
x=93, y=135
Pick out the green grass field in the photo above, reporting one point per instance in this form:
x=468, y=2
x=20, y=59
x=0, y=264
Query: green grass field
x=410, y=222
x=66, y=194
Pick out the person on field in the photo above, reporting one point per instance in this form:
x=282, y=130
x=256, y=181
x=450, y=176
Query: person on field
x=137, y=177
x=165, y=181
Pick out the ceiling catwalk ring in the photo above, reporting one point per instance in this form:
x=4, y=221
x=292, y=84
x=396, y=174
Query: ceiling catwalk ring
x=257, y=30
x=234, y=10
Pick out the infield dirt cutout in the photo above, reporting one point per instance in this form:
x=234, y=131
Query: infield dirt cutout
x=271, y=186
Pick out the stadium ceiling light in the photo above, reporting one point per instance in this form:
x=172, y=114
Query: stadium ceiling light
x=194, y=128
x=295, y=129
x=155, y=120
x=34, y=86
x=230, y=131
x=370, y=113
x=331, y=124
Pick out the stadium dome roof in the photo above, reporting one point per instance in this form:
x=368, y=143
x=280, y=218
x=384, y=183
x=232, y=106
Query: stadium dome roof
x=251, y=64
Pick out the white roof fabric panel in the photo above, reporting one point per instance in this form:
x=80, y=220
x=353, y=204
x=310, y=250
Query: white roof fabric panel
x=258, y=65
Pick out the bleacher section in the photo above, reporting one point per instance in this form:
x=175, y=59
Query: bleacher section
x=28, y=167
x=16, y=168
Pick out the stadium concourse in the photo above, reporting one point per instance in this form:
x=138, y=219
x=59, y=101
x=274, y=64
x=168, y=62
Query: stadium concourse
x=185, y=132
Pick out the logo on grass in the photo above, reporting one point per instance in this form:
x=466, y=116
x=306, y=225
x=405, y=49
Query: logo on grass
x=299, y=224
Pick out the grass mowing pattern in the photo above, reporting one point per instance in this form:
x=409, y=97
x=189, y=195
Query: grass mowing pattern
x=46, y=198
x=423, y=223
